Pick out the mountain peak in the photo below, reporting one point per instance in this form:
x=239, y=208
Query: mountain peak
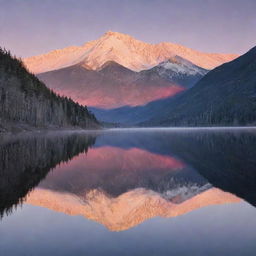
x=112, y=33
x=116, y=34
x=181, y=66
x=123, y=49
x=112, y=66
x=117, y=38
x=110, y=63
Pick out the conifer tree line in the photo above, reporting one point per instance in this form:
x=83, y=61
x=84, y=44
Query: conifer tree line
x=25, y=99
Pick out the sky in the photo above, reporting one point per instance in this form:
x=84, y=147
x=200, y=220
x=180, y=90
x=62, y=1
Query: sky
x=32, y=27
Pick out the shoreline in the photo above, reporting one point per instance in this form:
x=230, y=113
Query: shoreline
x=54, y=130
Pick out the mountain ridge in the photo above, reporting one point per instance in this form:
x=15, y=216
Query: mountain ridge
x=224, y=96
x=123, y=49
x=114, y=85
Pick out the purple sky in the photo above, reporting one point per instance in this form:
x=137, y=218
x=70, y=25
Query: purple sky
x=31, y=27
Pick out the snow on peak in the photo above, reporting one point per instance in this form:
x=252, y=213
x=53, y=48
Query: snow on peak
x=126, y=51
x=116, y=34
x=182, y=66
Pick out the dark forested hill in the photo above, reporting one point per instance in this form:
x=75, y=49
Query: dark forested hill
x=26, y=101
x=225, y=96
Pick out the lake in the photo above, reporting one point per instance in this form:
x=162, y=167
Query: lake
x=129, y=192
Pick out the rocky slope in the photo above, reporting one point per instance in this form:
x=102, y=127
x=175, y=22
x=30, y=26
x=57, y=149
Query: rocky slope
x=113, y=85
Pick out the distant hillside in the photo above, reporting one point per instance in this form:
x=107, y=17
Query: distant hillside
x=131, y=116
x=225, y=96
x=114, y=85
x=27, y=102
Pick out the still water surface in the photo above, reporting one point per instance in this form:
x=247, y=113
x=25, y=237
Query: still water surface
x=129, y=192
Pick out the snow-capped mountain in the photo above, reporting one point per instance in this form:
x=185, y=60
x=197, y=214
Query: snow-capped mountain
x=125, y=50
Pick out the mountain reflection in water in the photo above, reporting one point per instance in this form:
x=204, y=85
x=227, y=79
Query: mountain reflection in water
x=122, y=178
